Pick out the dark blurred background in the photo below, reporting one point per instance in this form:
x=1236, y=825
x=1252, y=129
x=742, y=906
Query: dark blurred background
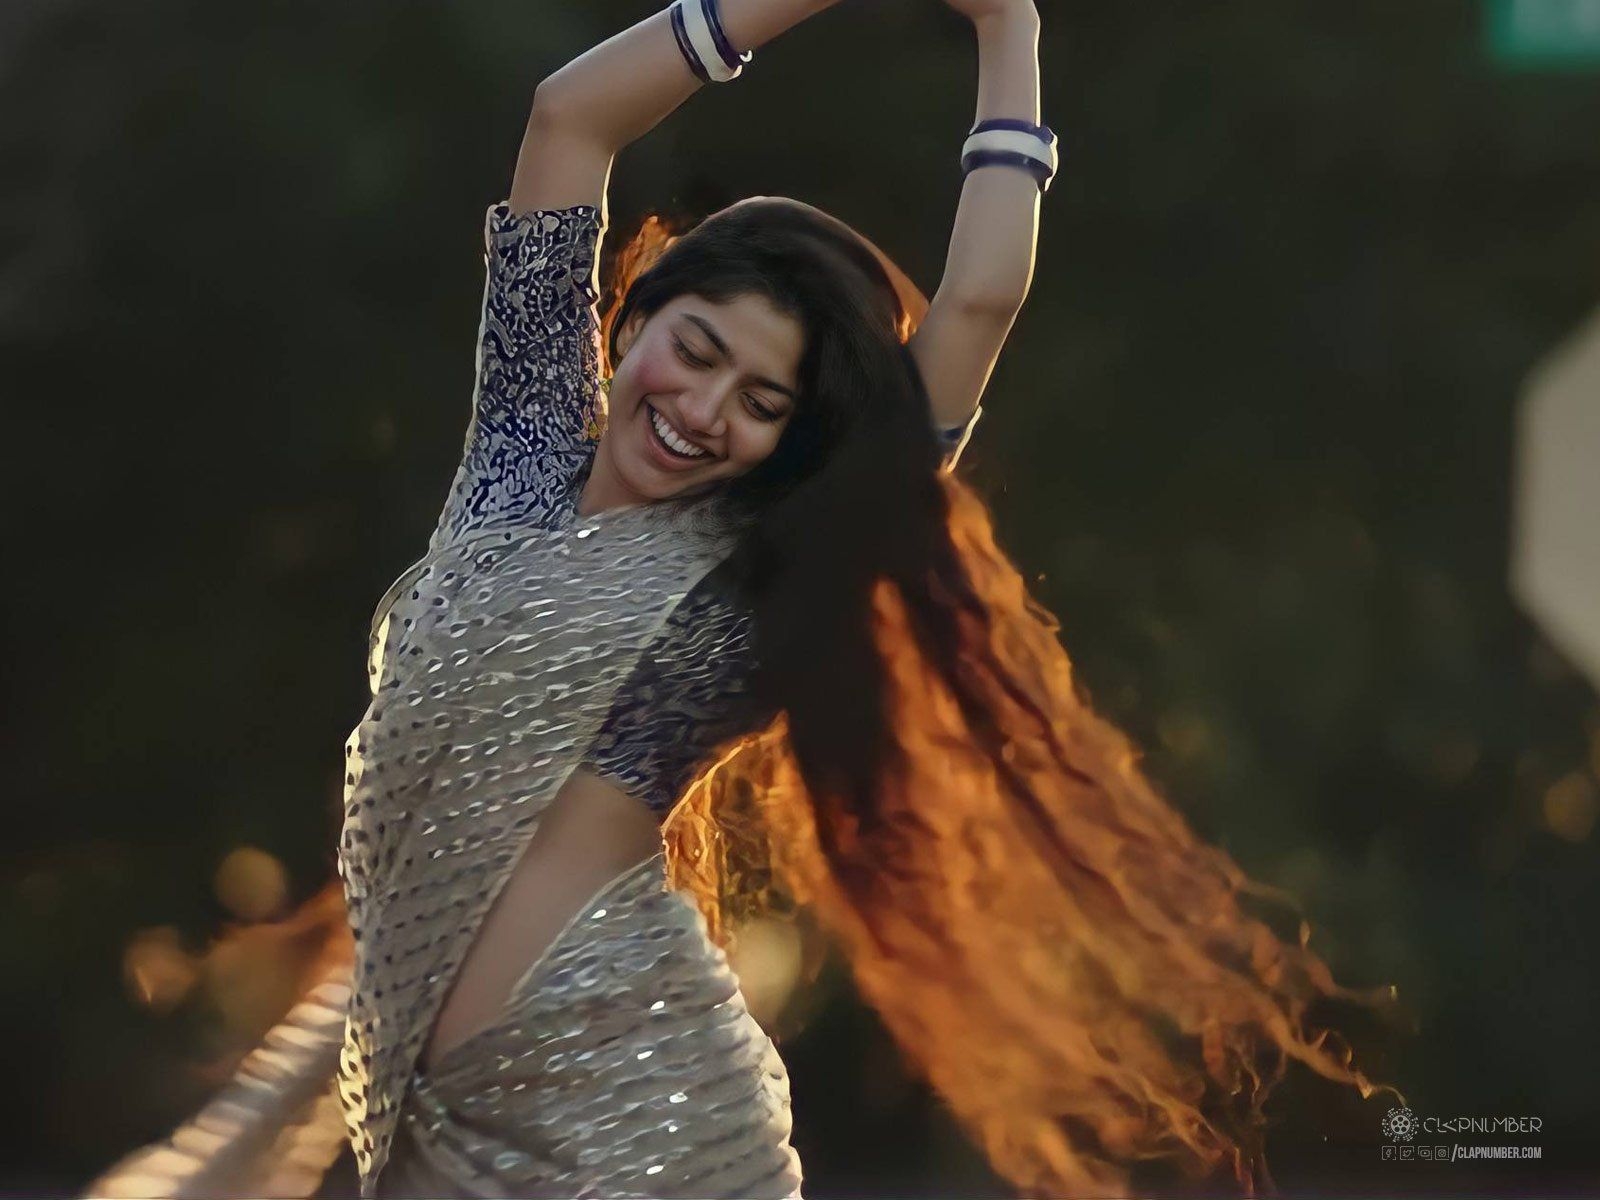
x=1255, y=435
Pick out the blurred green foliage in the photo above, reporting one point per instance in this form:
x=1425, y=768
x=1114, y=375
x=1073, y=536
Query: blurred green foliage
x=1252, y=434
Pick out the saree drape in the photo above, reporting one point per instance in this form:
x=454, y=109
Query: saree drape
x=624, y=1062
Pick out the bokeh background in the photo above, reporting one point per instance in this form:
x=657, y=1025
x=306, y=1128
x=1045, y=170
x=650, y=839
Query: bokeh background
x=1255, y=435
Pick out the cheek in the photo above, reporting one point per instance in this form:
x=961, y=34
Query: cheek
x=653, y=373
x=753, y=443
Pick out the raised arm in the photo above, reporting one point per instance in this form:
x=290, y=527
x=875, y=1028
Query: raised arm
x=989, y=266
x=617, y=92
x=539, y=340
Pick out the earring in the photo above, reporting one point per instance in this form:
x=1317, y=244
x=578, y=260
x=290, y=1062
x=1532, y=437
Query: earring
x=594, y=425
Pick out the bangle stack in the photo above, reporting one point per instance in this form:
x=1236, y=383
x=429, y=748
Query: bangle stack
x=1007, y=142
x=1001, y=141
x=697, y=26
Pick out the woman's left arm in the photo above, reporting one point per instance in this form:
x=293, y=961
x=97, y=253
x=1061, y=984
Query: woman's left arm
x=989, y=266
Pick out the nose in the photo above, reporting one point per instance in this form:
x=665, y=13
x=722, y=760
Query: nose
x=702, y=410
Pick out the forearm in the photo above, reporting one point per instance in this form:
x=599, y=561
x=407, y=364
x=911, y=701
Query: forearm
x=622, y=88
x=990, y=260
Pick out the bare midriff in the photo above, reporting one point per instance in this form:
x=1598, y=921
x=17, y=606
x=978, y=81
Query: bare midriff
x=589, y=834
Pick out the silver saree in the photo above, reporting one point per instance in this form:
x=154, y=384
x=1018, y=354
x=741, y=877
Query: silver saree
x=624, y=1063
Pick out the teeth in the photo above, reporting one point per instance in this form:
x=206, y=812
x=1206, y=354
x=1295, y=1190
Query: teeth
x=665, y=432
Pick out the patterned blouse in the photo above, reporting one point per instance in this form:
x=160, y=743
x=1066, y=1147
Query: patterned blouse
x=525, y=460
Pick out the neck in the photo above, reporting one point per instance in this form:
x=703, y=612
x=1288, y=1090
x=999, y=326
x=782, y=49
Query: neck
x=596, y=498
x=602, y=489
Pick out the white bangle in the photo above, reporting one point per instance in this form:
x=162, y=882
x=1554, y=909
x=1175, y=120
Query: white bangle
x=1013, y=143
x=698, y=28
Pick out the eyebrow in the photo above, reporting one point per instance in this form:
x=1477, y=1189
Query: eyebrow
x=722, y=349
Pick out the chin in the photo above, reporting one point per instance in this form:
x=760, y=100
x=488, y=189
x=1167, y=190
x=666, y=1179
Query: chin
x=645, y=481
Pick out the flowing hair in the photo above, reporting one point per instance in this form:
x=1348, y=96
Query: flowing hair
x=1051, y=947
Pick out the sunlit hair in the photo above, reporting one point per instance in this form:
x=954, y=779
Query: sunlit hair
x=1052, y=948
x=1048, y=942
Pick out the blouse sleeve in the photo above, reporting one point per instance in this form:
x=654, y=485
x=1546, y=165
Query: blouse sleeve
x=692, y=694
x=538, y=365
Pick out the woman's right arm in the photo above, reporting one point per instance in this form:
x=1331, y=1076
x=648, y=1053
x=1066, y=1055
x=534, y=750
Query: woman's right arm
x=617, y=92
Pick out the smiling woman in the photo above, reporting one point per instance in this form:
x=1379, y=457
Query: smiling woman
x=755, y=633
x=702, y=394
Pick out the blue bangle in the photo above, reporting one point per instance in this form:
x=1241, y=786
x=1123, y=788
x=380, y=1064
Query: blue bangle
x=987, y=146
x=1016, y=125
x=730, y=56
x=681, y=36
x=1009, y=158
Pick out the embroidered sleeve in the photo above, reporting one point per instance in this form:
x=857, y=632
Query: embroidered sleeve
x=538, y=365
x=690, y=696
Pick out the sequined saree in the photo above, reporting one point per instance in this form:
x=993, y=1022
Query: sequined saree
x=626, y=1065
x=624, y=1062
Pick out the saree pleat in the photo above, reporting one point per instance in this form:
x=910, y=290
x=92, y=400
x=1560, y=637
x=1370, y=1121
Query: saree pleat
x=625, y=1065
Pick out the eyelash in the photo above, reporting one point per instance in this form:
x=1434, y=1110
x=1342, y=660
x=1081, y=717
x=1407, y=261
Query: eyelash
x=761, y=410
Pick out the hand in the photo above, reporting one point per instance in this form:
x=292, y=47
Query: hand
x=988, y=10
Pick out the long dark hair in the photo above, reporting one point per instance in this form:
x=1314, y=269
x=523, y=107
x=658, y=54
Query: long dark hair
x=849, y=497
x=1047, y=940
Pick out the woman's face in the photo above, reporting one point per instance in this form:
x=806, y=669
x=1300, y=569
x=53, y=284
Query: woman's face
x=701, y=394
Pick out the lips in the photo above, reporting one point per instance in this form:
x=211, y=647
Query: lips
x=670, y=442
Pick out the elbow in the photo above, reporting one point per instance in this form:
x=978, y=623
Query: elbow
x=992, y=305
x=560, y=112
x=549, y=101
x=559, y=100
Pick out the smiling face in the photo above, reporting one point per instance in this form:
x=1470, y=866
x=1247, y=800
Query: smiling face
x=702, y=393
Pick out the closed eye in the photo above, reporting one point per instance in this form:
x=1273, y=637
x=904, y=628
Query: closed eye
x=694, y=360
x=683, y=353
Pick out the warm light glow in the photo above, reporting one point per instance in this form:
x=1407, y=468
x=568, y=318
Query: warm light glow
x=767, y=958
x=251, y=884
x=158, y=971
x=1570, y=807
x=250, y=975
x=1186, y=734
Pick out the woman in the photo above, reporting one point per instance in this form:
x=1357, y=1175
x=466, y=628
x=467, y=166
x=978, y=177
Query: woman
x=740, y=589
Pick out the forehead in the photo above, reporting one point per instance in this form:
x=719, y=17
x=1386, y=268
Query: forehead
x=761, y=337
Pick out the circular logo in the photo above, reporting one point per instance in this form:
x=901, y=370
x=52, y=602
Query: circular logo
x=1400, y=1125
